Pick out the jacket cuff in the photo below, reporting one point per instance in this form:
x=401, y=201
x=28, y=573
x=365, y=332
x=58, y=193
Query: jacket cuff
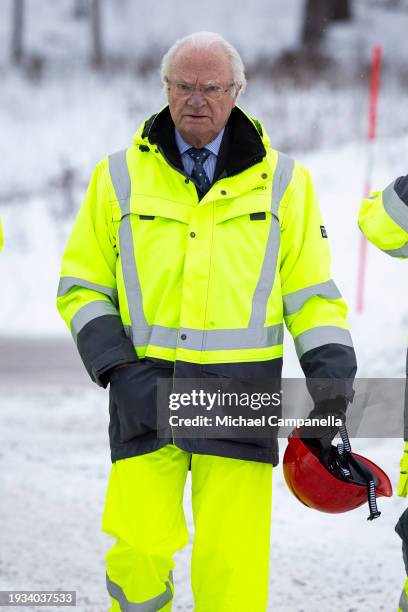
x=102, y=345
x=401, y=188
x=330, y=370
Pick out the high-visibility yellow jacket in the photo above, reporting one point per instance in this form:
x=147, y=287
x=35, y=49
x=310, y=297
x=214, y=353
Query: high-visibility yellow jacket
x=1, y=237
x=383, y=218
x=202, y=284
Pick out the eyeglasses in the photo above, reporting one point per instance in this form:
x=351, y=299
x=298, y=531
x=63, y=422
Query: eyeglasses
x=210, y=91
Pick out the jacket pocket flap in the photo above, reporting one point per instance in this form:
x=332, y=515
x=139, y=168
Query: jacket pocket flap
x=142, y=204
x=244, y=205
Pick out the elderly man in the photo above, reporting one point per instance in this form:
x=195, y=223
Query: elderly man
x=190, y=249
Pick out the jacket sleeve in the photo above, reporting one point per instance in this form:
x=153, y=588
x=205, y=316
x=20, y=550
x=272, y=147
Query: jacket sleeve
x=383, y=218
x=314, y=310
x=87, y=295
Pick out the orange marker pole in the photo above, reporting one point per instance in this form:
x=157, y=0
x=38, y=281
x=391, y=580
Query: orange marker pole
x=371, y=135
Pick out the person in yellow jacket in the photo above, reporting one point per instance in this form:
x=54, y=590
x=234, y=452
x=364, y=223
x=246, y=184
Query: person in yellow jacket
x=191, y=249
x=1, y=237
x=383, y=219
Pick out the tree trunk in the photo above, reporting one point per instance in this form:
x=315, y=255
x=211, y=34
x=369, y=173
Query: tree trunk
x=341, y=10
x=96, y=29
x=17, y=31
x=316, y=19
x=81, y=9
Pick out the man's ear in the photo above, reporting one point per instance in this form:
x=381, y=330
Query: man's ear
x=237, y=93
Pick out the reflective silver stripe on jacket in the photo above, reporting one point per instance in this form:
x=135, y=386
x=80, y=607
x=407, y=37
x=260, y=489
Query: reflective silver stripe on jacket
x=401, y=252
x=216, y=339
x=318, y=336
x=395, y=207
x=120, y=178
x=68, y=282
x=255, y=335
x=281, y=180
x=293, y=302
x=150, y=605
x=92, y=310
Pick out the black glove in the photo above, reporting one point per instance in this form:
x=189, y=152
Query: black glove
x=133, y=393
x=106, y=376
x=320, y=437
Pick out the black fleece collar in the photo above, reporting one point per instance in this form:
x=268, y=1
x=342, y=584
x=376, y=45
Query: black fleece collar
x=241, y=146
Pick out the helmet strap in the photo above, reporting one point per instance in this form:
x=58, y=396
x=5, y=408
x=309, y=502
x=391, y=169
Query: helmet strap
x=345, y=447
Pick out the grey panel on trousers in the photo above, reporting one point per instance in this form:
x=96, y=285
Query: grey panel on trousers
x=150, y=605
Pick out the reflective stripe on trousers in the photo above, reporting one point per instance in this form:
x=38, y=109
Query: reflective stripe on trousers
x=151, y=605
x=255, y=335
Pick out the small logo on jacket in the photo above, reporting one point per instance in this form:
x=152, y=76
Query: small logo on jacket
x=323, y=231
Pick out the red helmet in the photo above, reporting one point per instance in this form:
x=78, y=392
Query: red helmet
x=345, y=483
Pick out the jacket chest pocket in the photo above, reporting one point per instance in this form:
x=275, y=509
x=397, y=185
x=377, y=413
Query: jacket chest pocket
x=243, y=240
x=159, y=228
x=152, y=242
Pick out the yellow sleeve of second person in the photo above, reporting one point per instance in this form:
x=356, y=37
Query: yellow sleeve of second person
x=383, y=219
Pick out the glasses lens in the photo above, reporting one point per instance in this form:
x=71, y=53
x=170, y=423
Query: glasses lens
x=211, y=91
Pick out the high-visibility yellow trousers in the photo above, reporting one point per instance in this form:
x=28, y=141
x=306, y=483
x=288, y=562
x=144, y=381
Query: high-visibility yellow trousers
x=231, y=500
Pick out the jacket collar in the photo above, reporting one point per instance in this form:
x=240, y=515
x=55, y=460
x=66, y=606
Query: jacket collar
x=243, y=143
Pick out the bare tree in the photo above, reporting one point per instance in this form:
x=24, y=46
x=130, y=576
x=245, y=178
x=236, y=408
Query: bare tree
x=81, y=9
x=17, y=31
x=317, y=17
x=341, y=10
x=96, y=30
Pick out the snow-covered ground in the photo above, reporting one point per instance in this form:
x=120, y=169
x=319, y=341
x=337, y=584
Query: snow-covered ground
x=54, y=470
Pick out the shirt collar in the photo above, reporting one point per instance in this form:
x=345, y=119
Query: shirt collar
x=213, y=146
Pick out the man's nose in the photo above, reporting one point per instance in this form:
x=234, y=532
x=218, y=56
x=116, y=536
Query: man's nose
x=197, y=99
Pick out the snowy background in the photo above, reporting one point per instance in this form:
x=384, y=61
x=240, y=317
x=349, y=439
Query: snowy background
x=58, y=117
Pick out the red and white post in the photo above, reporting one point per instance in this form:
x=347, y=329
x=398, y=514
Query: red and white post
x=371, y=136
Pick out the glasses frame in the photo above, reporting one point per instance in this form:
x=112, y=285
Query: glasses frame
x=201, y=88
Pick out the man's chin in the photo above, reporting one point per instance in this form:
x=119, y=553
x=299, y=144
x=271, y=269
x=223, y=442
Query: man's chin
x=193, y=133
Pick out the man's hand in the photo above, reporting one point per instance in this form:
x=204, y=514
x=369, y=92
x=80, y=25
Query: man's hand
x=321, y=436
x=106, y=376
x=403, y=480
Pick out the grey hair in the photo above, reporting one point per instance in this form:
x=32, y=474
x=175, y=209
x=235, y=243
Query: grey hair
x=206, y=39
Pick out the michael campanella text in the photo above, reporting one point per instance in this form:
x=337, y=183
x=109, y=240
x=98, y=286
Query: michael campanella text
x=241, y=421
